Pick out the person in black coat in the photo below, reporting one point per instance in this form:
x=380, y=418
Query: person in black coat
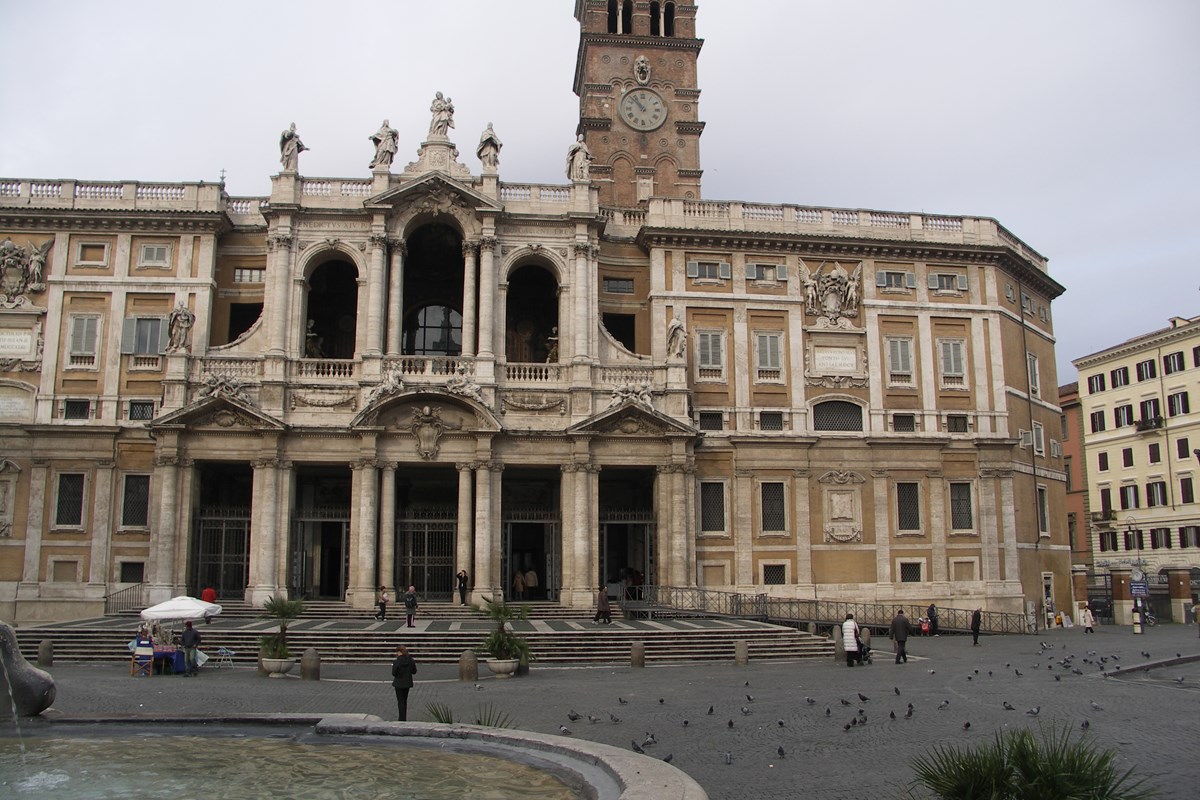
x=410, y=605
x=403, y=669
x=462, y=586
x=901, y=628
x=976, y=622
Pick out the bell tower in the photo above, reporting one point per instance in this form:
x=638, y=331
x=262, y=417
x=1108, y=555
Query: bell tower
x=635, y=76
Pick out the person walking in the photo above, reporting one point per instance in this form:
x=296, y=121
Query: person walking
x=462, y=579
x=518, y=585
x=381, y=600
x=531, y=583
x=976, y=621
x=901, y=628
x=403, y=669
x=850, y=639
x=603, y=608
x=1088, y=620
x=410, y=605
x=191, y=648
x=931, y=613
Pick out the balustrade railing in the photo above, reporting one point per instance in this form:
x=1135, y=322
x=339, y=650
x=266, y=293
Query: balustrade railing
x=232, y=367
x=619, y=376
x=427, y=365
x=132, y=598
x=532, y=373
x=530, y=192
x=323, y=368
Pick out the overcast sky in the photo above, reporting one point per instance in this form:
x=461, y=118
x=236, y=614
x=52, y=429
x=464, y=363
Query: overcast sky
x=1075, y=123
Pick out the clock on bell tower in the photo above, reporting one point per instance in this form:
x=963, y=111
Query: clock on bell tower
x=635, y=76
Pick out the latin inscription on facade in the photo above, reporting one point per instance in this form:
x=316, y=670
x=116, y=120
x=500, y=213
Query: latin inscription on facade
x=16, y=342
x=835, y=359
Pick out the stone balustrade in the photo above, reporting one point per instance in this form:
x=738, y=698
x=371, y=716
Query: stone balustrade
x=73, y=194
x=437, y=366
x=229, y=366
x=534, y=193
x=322, y=368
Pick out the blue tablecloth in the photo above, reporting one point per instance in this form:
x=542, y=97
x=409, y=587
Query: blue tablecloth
x=172, y=660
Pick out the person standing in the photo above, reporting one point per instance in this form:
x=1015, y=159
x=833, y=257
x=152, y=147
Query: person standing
x=518, y=585
x=900, y=631
x=382, y=600
x=410, y=605
x=931, y=612
x=403, y=669
x=1196, y=614
x=462, y=586
x=976, y=621
x=191, y=647
x=209, y=595
x=603, y=608
x=1088, y=620
x=531, y=583
x=850, y=639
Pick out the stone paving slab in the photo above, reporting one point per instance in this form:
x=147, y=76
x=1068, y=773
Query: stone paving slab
x=1151, y=718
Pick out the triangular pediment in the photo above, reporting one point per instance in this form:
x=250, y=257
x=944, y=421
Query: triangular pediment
x=398, y=410
x=435, y=189
x=218, y=412
x=631, y=418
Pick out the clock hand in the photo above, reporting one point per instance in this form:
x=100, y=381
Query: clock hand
x=640, y=104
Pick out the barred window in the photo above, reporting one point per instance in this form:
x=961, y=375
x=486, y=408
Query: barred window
x=141, y=409
x=774, y=574
x=904, y=423
x=837, y=415
x=957, y=423
x=712, y=421
x=910, y=571
x=133, y=571
x=77, y=409
x=712, y=507
x=774, y=519
x=961, y=516
x=908, y=506
x=618, y=285
x=135, y=505
x=770, y=420
x=69, y=508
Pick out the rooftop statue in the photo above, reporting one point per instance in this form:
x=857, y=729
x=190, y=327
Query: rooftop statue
x=579, y=160
x=443, y=116
x=489, y=148
x=290, y=148
x=385, y=140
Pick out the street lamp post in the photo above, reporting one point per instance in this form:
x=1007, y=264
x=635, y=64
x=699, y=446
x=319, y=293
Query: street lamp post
x=1136, y=576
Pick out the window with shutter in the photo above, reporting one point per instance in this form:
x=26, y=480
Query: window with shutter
x=951, y=357
x=900, y=370
x=154, y=255
x=1035, y=383
x=710, y=362
x=84, y=335
x=770, y=368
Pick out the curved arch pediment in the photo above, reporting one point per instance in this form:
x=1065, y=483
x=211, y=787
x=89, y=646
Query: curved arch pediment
x=400, y=409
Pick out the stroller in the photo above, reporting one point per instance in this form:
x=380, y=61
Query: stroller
x=864, y=652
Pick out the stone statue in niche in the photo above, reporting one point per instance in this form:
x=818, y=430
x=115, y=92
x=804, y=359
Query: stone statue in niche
x=21, y=270
x=442, y=109
x=179, y=329
x=290, y=148
x=489, y=148
x=385, y=140
x=427, y=425
x=832, y=295
x=676, y=339
x=579, y=160
x=641, y=70
x=552, y=346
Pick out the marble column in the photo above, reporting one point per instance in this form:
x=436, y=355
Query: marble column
x=279, y=251
x=102, y=522
x=668, y=535
x=566, y=503
x=284, y=485
x=395, y=302
x=1008, y=526
x=802, y=526
x=586, y=521
x=163, y=535
x=741, y=516
x=487, y=564
x=31, y=572
x=376, y=299
x=989, y=526
x=487, y=296
x=387, y=527
x=263, y=531
x=469, y=321
x=883, y=529
x=579, y=348
x=363, y=316
x=366, y=517
x=464, y=527
x=939, y=569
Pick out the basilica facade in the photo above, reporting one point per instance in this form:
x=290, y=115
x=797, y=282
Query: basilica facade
x=385, y=379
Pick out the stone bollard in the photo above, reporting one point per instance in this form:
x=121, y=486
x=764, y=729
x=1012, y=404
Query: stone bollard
x=522, y=666
x=865, y=635
x=468, y=666
x=812, y=628
x=637, y=654
x=45, y=653
x=741, y=652
x=310, y=665
x=839, y=647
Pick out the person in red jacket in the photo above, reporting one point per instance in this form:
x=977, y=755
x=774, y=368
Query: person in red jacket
x=209, y=595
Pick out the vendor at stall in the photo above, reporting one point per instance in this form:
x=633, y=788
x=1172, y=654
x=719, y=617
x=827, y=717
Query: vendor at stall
x=191, y=648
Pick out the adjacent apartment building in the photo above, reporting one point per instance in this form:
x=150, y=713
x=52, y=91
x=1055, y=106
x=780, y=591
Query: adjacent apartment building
x=381, y=379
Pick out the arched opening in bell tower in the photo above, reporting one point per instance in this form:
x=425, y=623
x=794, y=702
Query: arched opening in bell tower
x=332, y=316
x=531, y=316
x=433, y=292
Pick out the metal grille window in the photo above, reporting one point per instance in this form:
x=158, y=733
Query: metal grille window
x=141, y=409
x=135, y=504
x=1156, y=494
x=1043, y=510
x=77, y=409
x=837, y=415
x=774, y=574
x=133, y=571
x=961, y=516
x=712, y=421
x=774, y=520
x=950, y=355
x=900, y=368
x=908, y=506
x=904, y=423
x=770, y=420
x=910, y=571
x=68, y=510
x=618, y=285
x=957, y=423
x=712, y=507
x=1160, y=538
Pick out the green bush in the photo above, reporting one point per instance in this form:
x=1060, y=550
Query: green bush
x=283, y=611
x=502, y=643
x=440, y=712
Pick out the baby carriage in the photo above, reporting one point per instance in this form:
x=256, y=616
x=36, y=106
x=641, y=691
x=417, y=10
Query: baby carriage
x=864, y=652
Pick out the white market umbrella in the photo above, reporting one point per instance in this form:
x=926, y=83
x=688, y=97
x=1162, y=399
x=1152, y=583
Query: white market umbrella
x=181, y=608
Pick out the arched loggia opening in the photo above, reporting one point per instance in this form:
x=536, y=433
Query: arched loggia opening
x=332, y=315
x=531, y=314
x=433, y=292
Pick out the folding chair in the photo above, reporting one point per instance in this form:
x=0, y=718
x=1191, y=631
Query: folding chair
x=141, y=665
x=224, y=657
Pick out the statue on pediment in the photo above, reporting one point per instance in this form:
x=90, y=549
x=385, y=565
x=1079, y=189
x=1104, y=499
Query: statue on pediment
x=462, y=383
x=489, y=148
x=385, y=140
x=676, y=339
x=579, y=160
x=290, y=148
x=442, y=109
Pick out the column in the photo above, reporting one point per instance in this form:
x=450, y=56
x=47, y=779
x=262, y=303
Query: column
x=363, y=317
x=464, y=529
x=485, y=537
x=395, y=315
x=1008, y=527
x=263, y=526
x=279, y=247
x=938, y=570
x=376, y=297
x=989, y=527
x=883, y=529
x=566, y=504
x=741, y=516
x=579, y=324
x=586, y=574
x=802, y=525
x=487, y=295
x=469, y=251
x=365, y=517
x=387, y=527
x=162, y=536
x=32, y=571
x=666, y=552
x=102, y=521
x=283, y=522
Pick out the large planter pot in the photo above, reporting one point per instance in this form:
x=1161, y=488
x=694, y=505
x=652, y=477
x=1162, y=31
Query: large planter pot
x=278, y=667
x=502, y=667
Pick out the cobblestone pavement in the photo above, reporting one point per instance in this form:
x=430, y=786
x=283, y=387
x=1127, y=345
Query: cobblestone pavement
x=1151, y=718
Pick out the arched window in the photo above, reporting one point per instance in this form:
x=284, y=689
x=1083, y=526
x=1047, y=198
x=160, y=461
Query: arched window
x=669, y=19
x=612, y=16
x=655, y=18
x=626, y=17
x=837, y=415
x=435, y=331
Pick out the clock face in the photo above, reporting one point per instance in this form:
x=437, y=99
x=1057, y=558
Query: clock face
x=643, y=110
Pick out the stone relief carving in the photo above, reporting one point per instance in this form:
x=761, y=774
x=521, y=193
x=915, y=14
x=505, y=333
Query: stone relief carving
x=290, y=148
x=390, y=385
x=385, y=140
x=21, y=270
x=641, y=70
x=179, y=329
x=33, y=362
x=841, y=477
x=579, y=160
x=639, y=393
x=630, y=425
x=225, y=386
x=297, y=399
x=462, y=383
x=528, y=402
x=842, y=505
x=676, y=340
x=427, y=425
x=489, y=148
x=831, y=296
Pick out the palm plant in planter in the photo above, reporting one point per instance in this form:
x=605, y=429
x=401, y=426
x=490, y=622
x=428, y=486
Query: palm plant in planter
x=273, y=647
x=505, y=648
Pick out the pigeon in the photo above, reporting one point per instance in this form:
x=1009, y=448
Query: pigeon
x=614, y=717
x=478, y=688
x=1007, y=665
x=564, y=730
x=731, y=723
x=896, y=689
x=592, y=719
x=932, y=672
x=908, y=714
x=1018, y=672
x=649, y=740
x=781, y=752
x=1097, y=706
x=1009, y=706
x=745, y=711
x=710, y=710
x=968, y=677
x=571, y=715
x=747, y=683
x=863, y=697
x=1058, y=677
x=1076, y=671
x=685, y=723
x=827, y=711
x=845, y=702
x=622, y=701
x=749, y=698
x=661, y=701
x=945, y=704
x=1033, y=712
x=966, y=726
x=780, y=722
x=728, y=757
x=637, y=748
x=854, y=720
x=976, y=672
x=989, y=673
x=1145, y=654
x=668, y=758
x=1085, y=725
x=846, y=727
x=892, y=714
x=1179, y=680
x=810, y=701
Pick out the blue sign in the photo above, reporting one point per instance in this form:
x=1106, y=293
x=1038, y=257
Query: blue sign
x=1139, y=589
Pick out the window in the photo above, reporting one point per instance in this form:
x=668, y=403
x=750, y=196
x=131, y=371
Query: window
x=1102, y=462
x=957, y=423
x=144, y=336
x=1106, y=503
x=92, y=254
x=1043, y=511
x=1039, y=439
x=1063, y=428
x=135, y=502
x=711, y=355
x=1122, y=416
x=249, y=275
x=961, y=516
x=908, y=506
x=133, y=571
x=1095, y=383
x=1177, y=404
x=77, y=409
x=1160, y=538
x=1096, y=418
x=1151, y=410
x=1189, y=536
x=1154, y=452
x=904, y=423
x=141, y=409
x=1173, y=362
x=1129, y=497
x=910, y=571
x=900, y=368
x=766, y=272
x=1181, y=447
x=154, y=255
x=438, y=332
x=1120, y=377
x=708, y=270
x=1156, y=494
x=947, y=282
x=712, y=420
x=68, y=511
x=1196, y=356
x=1186, y=492
x=712, y=507
x=770, y=420
x=84, y=334
x=774, y=574
x=767, y=347
x=837, y=415
x=1035, y=384
x=774, y=520
x=1145, y=370
x=1068, y=468
x=1127, y=457
x=950, y=352
x=1108, y=541
x=618, y=285
x=885, y=279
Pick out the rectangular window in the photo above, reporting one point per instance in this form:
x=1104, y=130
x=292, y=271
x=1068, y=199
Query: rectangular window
x=1122, y=416
x=77, y=409
x=249, y=275
x=1173, y=362
x=1096, y=418
x=618, y=285
x=1129, y=497
x=1151, y=412
x=712, y=507
x=68, y=512
x=145, y=338
x=84, y=334
x=141, y=409
x=766, y=272
x=1181, y=447
x=1068, y=468
x=1035, y=383
x=1102, y=462
x=1145, y=370
x=770, y=420
x=900, y=367
x=1106, y=503
x=773, y=518
x=1127, y=457
x=1189, y=536
x=154, y=255
x=708, y=270
x=1186, y=492
x=1108, y=541
x=1154, y=452
x=1160, y=538
x=92, y=254
x=712, y=421
x=1063, y=427
x=886, y=279
x=1043, y=510
x=910, y=571
x=1120, y=377
x=1177, y=404
x=962, y=517
x=957, y=423
x=774, y=574
x=904, y=423
x=950, y=353
x=1039, y=439
x=947, y=282
x=1095, y=383
x=767, y=354
x=135, y=502
x=908, y=506
x=133, y=571
x=711, y=355
x=1196, y=356
x=1156, y=494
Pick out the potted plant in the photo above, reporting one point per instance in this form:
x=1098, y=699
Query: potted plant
x=273, y=648
x=505, y=649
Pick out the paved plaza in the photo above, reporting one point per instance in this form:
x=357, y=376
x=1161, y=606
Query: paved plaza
x=1151, y=717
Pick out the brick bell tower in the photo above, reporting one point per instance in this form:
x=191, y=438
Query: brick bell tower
x=635, y=76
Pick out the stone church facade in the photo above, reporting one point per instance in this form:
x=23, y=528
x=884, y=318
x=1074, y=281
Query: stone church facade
x=388, y=378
